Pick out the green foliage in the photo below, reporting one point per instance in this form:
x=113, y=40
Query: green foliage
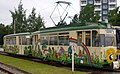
x=2, y=29
x=9, y=29
x=11, y=49
x=19, y=18
x=24, y=24
x=118, y=19
x=87, y=14
x=49, y=50
x=15, y=49
x=114, y=17
x=34, y=22
x=2, y=33
x=75, y=19
x=30, y=50
x=26, y=51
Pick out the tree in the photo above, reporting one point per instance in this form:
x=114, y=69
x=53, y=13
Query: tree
x=2, y=29
x=2, y=33
x=9, y=29
x=31, y=20
x=23, y=24
x=19, y=18
x=118, y=19
x=87, y=14
x=114, y=17
x=39, y=23
x=34, y=22
x=75, y=19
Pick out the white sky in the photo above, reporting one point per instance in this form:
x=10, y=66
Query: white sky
x=44, y=7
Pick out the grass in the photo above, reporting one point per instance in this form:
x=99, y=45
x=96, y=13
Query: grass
x=35, y=68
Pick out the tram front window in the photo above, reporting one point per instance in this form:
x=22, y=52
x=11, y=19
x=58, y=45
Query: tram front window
x=107, y=40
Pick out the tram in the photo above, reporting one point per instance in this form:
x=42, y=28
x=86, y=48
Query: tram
x=96, y=44
x=17, y=43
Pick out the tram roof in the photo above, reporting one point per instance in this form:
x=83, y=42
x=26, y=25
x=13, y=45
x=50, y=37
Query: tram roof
x=72, y=27
x=19, y=34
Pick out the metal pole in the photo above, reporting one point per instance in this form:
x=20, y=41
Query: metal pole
x=14, y=25
x=21, y=44
x=80, y=5
x=73, y=58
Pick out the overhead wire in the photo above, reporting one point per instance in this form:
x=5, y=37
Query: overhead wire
x=58, y=11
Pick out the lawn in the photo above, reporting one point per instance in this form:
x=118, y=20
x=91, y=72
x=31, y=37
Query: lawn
x=35, y=68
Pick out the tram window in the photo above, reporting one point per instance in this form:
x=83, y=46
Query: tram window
x=79, y=37
x=10, y=40
x=66, y=41
x=20, y=40
x=63, y=40
x=102, y=40
x=87, y=38
x=51, y=40
x=109, y=40
x=28, y=41
x=95, y=39
x=63, y=33
x=46, y=41
x=14, y=40
x=23, y=40
x=55, y=40
x=42, y=40
x=106, y=40
x=6, y=41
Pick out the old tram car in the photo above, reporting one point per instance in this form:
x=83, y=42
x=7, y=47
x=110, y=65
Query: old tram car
x=96, y=45
x=18, y=43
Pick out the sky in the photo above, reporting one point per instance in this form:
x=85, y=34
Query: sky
x=43, y=7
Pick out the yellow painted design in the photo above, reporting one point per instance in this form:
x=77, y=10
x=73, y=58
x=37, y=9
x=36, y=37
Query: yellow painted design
x=110, y=55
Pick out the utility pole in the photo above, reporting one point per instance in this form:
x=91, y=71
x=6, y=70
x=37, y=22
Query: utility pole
x=80, y=5
x=14, y=25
